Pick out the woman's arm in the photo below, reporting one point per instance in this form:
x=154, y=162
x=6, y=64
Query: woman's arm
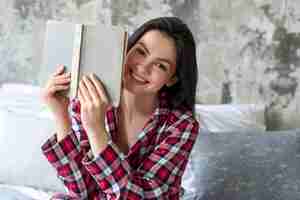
x=65, y=156
x=158, y=177
x=63, y=126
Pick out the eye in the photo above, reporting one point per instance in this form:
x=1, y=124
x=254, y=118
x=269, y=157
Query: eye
x=141, y=51
x=162, y=66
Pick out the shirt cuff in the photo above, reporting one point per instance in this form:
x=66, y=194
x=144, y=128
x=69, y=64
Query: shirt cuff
x=62, y=152
x=109, y=168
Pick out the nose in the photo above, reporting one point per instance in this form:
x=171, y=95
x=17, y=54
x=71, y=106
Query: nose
x=145, y=67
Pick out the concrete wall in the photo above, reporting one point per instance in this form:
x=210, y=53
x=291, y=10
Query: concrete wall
x=248, y=50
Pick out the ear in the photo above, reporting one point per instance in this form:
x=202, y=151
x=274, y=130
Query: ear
x=172, y=81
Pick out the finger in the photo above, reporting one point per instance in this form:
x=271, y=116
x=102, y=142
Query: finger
x=80, y=98
x=100, y=88
x=91, y=88
x=60, y=69
x=56, y=88
x=58, y=81
x=67, y=74
x=61, y=80
x=84, y=91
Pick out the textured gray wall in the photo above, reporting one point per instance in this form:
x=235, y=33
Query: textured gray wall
x=248, y=50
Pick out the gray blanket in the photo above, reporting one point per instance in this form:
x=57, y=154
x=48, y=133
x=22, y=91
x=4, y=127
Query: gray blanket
x=245, y=165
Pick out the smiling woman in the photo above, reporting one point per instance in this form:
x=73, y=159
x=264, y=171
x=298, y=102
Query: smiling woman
x=151, y=63
x=140, y=149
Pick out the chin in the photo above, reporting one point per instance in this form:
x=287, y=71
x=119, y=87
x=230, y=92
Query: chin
x=139, y=91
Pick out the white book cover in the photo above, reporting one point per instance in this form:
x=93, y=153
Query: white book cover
x=86, y=49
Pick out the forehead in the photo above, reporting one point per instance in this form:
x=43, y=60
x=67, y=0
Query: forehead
x=159, y=44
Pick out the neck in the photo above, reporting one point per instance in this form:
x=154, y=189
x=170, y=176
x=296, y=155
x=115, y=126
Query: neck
x=133, y=106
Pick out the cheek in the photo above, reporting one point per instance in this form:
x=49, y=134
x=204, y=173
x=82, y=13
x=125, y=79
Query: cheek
x=128, y=60
x=159, y=79
x=133, y=58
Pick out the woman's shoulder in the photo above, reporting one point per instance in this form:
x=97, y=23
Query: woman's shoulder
x=180, y=120
x=182, y=113
x=176, y=113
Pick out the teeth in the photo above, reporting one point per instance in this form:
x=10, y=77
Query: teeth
x=138, y=78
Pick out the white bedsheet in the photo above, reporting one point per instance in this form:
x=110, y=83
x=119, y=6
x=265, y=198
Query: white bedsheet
x=32, y=193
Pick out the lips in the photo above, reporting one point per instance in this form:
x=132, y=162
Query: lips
x=138, y=78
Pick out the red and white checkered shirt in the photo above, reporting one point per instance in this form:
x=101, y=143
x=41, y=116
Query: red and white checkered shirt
x=152, y=169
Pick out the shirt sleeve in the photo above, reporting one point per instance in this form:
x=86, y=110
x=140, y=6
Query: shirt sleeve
x=78, y=129
x=66, y=155
x=74, y=111
x=159, y=175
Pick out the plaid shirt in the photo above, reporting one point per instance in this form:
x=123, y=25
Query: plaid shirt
x=152, y=169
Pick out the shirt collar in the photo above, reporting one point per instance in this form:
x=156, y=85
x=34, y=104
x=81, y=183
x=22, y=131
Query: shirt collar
x=163, y=107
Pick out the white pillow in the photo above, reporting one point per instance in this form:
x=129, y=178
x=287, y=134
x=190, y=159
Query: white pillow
x=20, y=88
x=230, y=117
x=23, y=99
x=22, y=132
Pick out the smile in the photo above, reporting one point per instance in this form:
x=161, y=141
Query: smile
x=137, y=77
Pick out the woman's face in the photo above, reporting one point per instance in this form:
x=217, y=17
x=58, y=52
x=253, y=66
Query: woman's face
x=150, y=64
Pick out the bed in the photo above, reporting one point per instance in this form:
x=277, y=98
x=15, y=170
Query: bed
x=19, y=192
x=234, y=157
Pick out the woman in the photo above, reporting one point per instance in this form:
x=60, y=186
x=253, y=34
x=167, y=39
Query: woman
x=140, y=149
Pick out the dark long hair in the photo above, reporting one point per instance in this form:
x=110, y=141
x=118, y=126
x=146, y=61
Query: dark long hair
x=184, y=90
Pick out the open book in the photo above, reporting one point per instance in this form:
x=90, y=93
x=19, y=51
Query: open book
x=86, y=49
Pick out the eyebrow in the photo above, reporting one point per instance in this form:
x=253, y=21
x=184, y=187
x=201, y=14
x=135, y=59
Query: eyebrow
x=147, y=51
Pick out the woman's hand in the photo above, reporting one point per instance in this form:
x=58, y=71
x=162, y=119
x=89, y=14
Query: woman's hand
x=52, y=93
x=94, y=103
